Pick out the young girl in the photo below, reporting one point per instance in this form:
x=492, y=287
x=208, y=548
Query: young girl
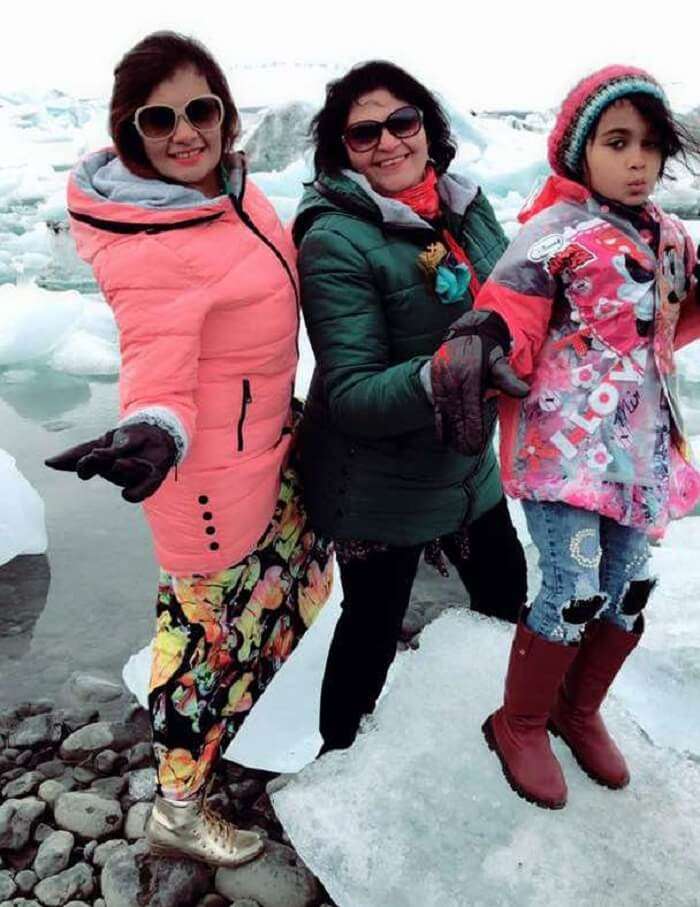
x=596, y=291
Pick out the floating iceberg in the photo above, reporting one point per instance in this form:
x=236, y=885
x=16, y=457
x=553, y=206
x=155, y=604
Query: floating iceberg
x=22, y=524
x=64, y=330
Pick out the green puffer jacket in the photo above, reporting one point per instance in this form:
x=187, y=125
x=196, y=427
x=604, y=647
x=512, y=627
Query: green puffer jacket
x=372, y=465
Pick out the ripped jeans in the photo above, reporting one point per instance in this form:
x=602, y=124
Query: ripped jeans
x=591, y=567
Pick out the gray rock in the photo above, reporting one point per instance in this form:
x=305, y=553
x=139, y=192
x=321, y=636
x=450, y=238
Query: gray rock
x=12, y=774
x=52, y=769
x=87, y=741
x=129, y=879
x=42, y=831
x=24, y=785
x=136, y=818
x=89, y=850
x=245, y=902
x=250, y=789
x=107, y=761
x=83, y=775
x=277, y=878
x=78, y=716
x=17, y=818
x=26, y=880
x=57, y=889
x=141, y=755
x=49, y=791
x=89, y=688
x=213, y=900
x=20, y=902
x=7, y=886
x=109, y=787
x=54, y=854
x=88, y=815
x=142, y=784
x=280, y=137
x=24, y=757
x=103, y=852
x=100, y=902
x=11, y=752
x=37, y=729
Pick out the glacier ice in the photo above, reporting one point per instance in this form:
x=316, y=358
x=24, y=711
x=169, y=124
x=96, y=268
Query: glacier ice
x=417, y=812
x=22, y=523
x=64, y=330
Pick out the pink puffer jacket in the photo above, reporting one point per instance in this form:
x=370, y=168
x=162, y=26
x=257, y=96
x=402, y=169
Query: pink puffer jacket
x=204, y=294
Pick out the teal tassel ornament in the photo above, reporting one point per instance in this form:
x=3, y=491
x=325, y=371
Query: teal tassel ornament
x=452, y=282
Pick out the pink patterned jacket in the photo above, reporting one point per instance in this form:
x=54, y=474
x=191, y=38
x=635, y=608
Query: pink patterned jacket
x=595, y=316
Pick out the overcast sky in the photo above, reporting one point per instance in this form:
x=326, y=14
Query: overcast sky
x=522, y=54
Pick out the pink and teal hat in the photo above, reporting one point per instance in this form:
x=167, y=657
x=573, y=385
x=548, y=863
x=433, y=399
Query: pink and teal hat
x=584, y=104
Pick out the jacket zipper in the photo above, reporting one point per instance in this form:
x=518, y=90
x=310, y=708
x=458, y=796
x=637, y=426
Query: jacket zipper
x=246, y=219
x=247, y=398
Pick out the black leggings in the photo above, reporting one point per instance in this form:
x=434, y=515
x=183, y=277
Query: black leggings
x=377, y=590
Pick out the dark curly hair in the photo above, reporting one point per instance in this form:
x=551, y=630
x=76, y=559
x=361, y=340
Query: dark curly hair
x=329, y=123
x=154, y=59
x=676, y=140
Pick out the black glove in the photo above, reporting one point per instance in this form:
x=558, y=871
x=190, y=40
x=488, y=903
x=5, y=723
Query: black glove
x=136, y=457
x=471, y=360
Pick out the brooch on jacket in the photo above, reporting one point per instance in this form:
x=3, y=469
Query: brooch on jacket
x=450, y=277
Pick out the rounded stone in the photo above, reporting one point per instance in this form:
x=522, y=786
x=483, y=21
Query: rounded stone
x=88, y=815
x=49, y=791
x=26, y=880
x=17, y=819
x=56, y=890
x=277, y=878
x=103, y=852
x=23, y=786
x=54, y=854
x=7, y=886
x=136, y=818
x=87, y=741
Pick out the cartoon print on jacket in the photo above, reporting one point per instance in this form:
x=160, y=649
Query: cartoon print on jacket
x=594, y=312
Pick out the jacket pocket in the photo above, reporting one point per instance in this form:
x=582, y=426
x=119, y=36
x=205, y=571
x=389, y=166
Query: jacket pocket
x=246, y=400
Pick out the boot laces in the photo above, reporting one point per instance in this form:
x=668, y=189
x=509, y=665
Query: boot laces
x=223, y=831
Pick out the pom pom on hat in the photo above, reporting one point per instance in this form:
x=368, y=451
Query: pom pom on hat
x=584, y=104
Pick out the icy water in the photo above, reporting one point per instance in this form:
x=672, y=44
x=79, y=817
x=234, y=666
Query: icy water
x=89, y=602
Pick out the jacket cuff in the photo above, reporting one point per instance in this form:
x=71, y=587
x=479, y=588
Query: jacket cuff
x=164, y=418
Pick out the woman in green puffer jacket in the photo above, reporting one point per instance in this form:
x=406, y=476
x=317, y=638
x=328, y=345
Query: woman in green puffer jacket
x=392, y=249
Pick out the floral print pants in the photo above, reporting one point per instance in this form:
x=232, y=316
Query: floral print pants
x=221, y=638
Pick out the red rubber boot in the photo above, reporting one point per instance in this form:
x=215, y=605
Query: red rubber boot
x=575, y=714
x=517, y=732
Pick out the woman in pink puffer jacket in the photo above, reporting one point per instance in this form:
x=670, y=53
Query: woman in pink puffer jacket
x=201, y=278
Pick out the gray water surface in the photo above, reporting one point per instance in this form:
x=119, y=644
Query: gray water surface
x=90, y=601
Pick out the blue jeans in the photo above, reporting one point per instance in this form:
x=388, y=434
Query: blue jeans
x=588, y=562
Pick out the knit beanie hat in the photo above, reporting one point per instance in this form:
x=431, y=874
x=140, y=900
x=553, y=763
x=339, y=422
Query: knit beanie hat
x=584, y=104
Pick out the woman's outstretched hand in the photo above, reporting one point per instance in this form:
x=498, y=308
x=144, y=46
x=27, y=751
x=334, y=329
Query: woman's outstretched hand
x=136, y=457
x=471, y=361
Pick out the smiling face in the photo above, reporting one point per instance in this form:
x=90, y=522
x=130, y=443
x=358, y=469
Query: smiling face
x=395, y=164
x=188, y=156
x=623, y=159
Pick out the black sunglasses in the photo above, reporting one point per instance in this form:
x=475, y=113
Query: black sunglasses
x=158, y=122
x=402, y=124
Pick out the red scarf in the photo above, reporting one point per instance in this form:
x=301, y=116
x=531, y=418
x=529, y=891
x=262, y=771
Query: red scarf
x=423, y=198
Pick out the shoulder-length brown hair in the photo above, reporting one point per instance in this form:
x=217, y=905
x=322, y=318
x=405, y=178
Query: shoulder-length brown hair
x=154, y=59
